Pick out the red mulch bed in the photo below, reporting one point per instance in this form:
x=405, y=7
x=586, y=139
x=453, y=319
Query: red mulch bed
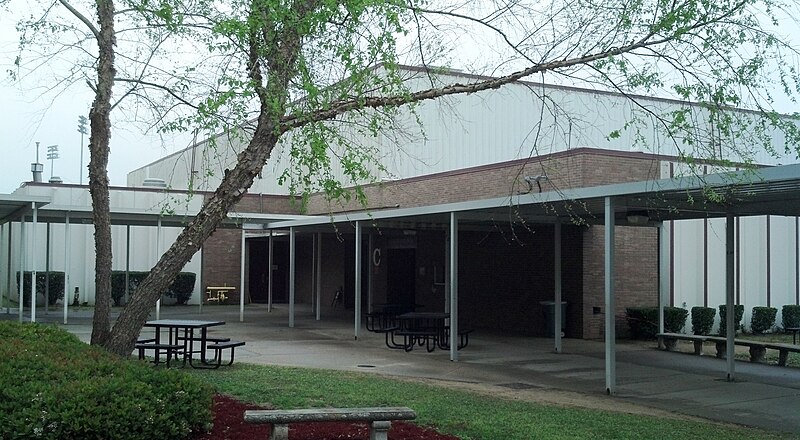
x=229, y=424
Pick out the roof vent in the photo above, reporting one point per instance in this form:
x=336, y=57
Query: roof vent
x=154, y=182
x=55, y=180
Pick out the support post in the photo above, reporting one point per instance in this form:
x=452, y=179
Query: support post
x=370, y=270
x=241, y=278
x=22, y=256
x=610, y=334
x=319, y=275
x=729, y=293
x=453, y=287
x=10, y=272
x=158, y=256
x=67, y=248
x=47, y=272
x=291, y=275
x=357, y=292
x=557, y=275
x=34, y=225
x=663, y=272
x=269, y=271
x=128, y=259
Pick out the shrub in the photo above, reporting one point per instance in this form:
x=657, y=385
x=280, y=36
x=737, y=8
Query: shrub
x=702, y=320
x=763, y=319
x=643, y=321
x=790, y=315
x=181, y=289
x=56, y=291
x=738, y=312
x=71, y=390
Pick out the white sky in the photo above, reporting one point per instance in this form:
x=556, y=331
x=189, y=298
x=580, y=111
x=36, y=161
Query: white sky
x=29, y=114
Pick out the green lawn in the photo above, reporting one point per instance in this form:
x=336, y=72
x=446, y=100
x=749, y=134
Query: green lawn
x=467, y=415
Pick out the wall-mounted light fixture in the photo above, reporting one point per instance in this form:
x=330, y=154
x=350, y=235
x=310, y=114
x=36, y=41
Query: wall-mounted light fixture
x=530, y=180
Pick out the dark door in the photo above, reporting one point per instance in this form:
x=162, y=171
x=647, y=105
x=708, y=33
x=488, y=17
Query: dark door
x=259, y=271
x=401, y=277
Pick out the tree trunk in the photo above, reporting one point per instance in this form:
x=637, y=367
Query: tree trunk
x=99, y=148
x=282, y=67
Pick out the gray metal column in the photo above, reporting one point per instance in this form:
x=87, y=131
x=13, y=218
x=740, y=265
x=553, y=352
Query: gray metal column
x=729, y=293
x=369, y=274
x=22, y=256
x=9, y=267
x=453, y=286
x=557, y=300
x=33, y=261
x=241, y=277
x=158, y=256
x=611, y=361
x=47, y=272
x=663, y=272
x=67, y=248
x=358, y=281
x=128, y=259
x=319, y=275
x=291, y=275
x=269, y=271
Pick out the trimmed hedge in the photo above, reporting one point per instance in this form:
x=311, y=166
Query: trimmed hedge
x=790, y=315
x=56, y=286
x=738, y=312
x=52, y=386
x=643, y=321
x=763, y=319
x=702, y=320
x=180, y=289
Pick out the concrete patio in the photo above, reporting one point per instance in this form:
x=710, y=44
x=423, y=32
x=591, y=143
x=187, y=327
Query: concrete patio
x=764, y=396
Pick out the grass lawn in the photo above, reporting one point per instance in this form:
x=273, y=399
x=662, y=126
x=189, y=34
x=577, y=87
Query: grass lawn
x=467, y=415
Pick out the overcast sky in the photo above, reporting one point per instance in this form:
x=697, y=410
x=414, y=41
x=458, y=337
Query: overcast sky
x=30, y=114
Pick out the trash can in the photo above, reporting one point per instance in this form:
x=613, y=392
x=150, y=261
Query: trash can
x=550, y=317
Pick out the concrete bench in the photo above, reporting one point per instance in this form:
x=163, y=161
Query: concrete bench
x=668, y=341
x=380, y=418
x=758, y=349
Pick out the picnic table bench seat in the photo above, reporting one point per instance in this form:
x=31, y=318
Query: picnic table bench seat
x=218, y=347
x=380, y=418
x=172, y=350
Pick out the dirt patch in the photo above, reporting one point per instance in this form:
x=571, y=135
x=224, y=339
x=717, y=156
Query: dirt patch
x=229, y=424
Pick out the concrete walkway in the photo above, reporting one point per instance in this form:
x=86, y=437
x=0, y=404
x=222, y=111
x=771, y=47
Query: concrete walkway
x=764, y=396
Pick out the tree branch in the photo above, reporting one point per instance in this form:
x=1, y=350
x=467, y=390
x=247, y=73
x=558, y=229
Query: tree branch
x=82, y=18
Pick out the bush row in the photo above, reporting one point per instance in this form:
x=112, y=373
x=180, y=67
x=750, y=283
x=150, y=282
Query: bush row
x=56, y=387
x=56, y=286
x=180, y=289
x=643, y=321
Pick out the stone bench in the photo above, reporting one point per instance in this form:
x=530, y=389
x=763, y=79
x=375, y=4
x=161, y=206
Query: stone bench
x=380, y=418
x=668, y=341
x=758, y=349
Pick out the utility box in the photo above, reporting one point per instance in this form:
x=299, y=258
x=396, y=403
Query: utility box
x=550, y=317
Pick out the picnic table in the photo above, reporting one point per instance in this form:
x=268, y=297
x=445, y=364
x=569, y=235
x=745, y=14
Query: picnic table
x=186, y=337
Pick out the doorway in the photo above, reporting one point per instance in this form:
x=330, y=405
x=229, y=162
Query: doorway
x=258, y=278
x=401, y=277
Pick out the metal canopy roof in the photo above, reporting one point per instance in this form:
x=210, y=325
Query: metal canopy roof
x=765, y=191
x=13, y=206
